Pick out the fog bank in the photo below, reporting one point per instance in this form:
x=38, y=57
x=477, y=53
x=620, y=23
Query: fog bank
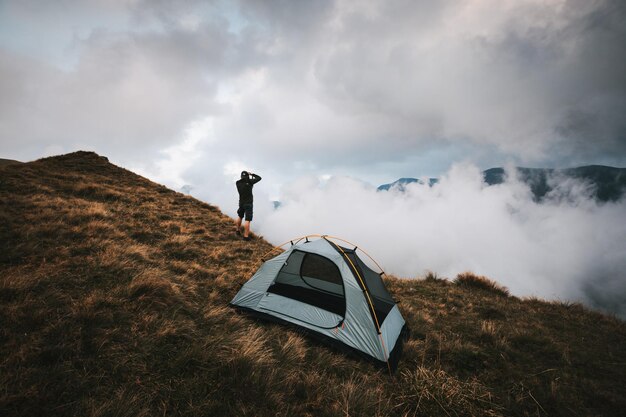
x=568, y=247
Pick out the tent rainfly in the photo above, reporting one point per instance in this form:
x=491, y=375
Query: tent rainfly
x=326, y=289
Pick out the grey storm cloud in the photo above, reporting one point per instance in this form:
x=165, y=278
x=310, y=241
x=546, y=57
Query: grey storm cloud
x=129, y=92
x=542, y=82
x=537, y=76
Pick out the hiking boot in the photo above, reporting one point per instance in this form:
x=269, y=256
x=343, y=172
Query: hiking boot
x=246, y=238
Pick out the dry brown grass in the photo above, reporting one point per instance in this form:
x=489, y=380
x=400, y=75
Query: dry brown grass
x=471, y=280
x=435, y=392
x=114, y=299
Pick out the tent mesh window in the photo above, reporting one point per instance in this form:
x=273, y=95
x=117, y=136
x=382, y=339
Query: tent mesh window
x=382, y=300
x=311, y=279
x=316, y=267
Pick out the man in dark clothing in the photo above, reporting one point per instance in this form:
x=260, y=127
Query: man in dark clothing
x=244, y=187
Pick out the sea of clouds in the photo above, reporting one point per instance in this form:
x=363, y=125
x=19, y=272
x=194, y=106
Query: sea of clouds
x=567, y=247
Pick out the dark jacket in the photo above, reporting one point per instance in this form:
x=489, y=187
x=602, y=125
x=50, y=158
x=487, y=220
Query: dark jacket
x=244, y=187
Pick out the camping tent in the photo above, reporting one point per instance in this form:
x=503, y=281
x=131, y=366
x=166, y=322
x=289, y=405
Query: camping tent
x=328, y=290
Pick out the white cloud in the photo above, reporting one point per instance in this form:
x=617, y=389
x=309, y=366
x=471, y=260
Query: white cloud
x=558, y=249
x=338, y=83
x=175, y=160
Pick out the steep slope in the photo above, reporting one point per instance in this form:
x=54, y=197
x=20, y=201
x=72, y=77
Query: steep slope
x=113, y=301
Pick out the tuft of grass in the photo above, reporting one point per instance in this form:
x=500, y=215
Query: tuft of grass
x=471, y=280
x=154, y=286
x=293, y=348
x=433, y=277
x=431, y=392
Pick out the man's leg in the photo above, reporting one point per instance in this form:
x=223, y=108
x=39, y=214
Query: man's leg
x=240, y=213
x=248, y=218
x=238, y=224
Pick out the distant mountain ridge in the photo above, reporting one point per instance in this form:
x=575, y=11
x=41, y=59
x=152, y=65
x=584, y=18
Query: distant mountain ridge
x=607, y=183
x=403, y=182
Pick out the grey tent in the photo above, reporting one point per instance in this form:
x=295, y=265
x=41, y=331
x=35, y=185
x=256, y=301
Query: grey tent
x=328, y=290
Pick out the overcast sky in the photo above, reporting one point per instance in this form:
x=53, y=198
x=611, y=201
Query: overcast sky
x=182, y=90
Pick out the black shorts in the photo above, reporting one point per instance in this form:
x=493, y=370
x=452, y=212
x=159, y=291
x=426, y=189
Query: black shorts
x=245, y=209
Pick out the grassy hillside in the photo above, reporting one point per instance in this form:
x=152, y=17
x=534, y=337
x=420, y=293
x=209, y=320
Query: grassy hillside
x=113, y=301
x=8, y=162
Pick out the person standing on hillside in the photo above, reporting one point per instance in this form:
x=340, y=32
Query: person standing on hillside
x=244, y=188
